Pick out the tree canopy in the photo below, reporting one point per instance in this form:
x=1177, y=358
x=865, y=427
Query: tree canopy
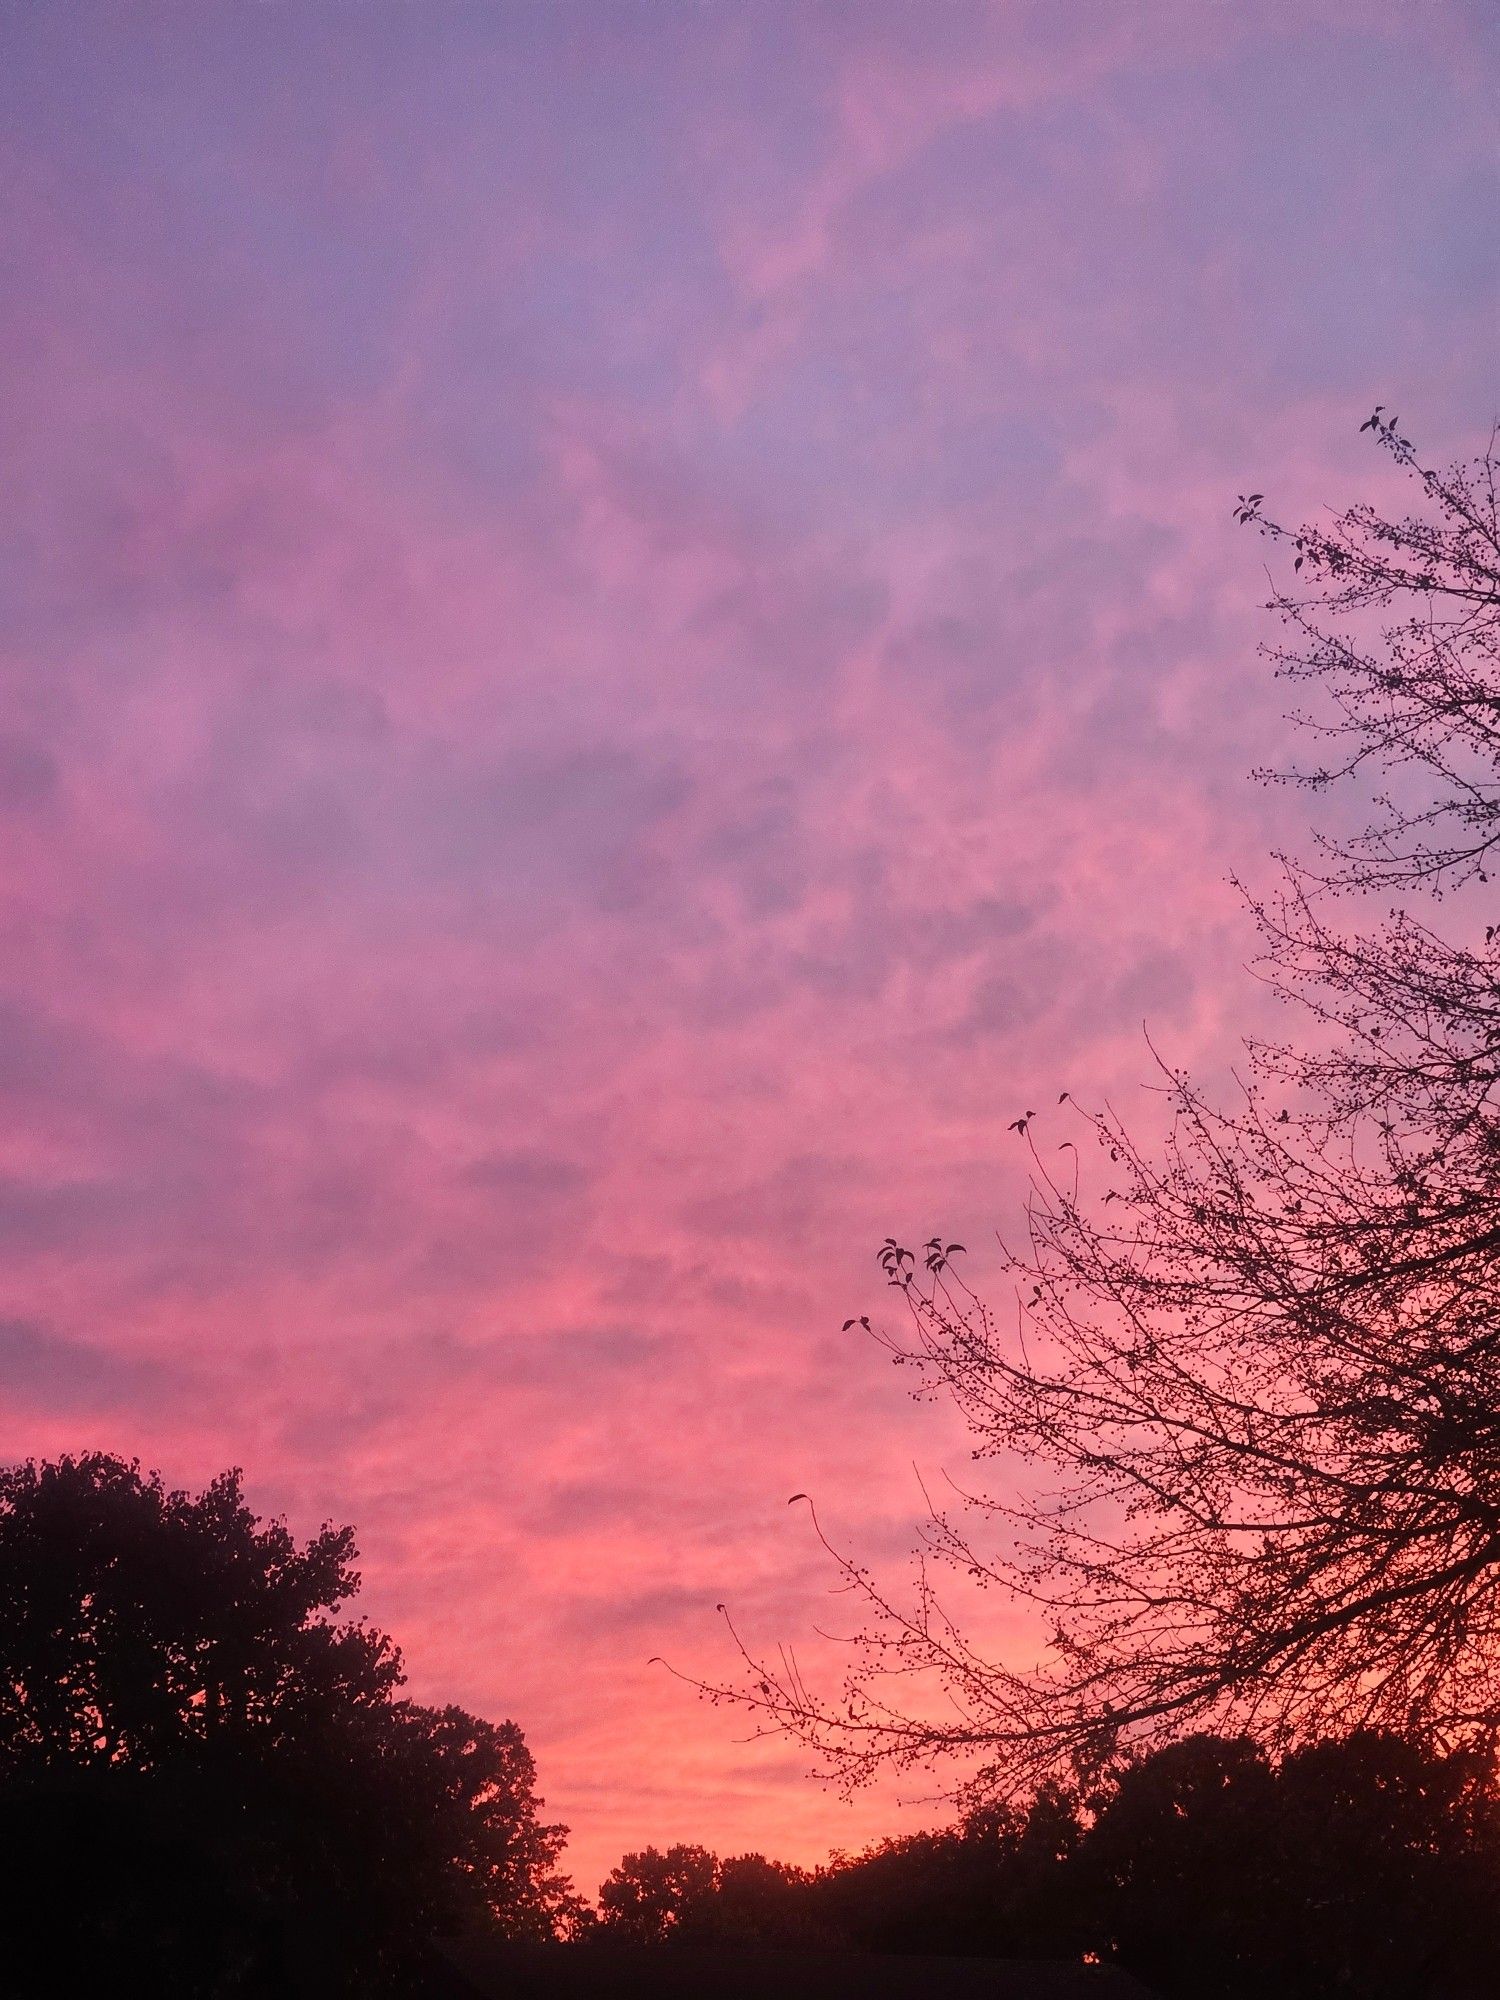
x=201, y=1763
x=1212, y=1868
x=687, y=1895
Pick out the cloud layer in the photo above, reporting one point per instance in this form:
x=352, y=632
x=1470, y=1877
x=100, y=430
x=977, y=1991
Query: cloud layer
x=620, y=636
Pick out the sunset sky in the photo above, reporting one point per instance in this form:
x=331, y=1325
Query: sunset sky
x=622, y=636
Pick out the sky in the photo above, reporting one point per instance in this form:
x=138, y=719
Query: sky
x=621, y=636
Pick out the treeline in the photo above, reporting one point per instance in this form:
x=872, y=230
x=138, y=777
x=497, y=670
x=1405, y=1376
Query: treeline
x=211, y=1780
x=1367, y=1867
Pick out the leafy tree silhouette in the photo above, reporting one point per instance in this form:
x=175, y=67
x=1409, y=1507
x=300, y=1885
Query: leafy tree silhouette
x=645, y=1899
x=1365, y=1867
x=206, y=1775
x=996, y=1885
x=687, y=1895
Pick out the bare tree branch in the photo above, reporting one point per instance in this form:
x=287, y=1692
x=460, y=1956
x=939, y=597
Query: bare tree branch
x=1253, y=1375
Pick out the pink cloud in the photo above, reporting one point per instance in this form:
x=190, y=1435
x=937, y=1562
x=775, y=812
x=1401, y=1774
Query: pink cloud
x=588, y=717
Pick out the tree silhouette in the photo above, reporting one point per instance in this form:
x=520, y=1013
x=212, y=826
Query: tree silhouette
x=1388, y=1866
x=759, y=1902
x=1366, y=1867
x=688, y=1896
x=998, y=1885
x=646, y=1898
x=201, y=1767
x=1255, y=1373
x=1178, y=1871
